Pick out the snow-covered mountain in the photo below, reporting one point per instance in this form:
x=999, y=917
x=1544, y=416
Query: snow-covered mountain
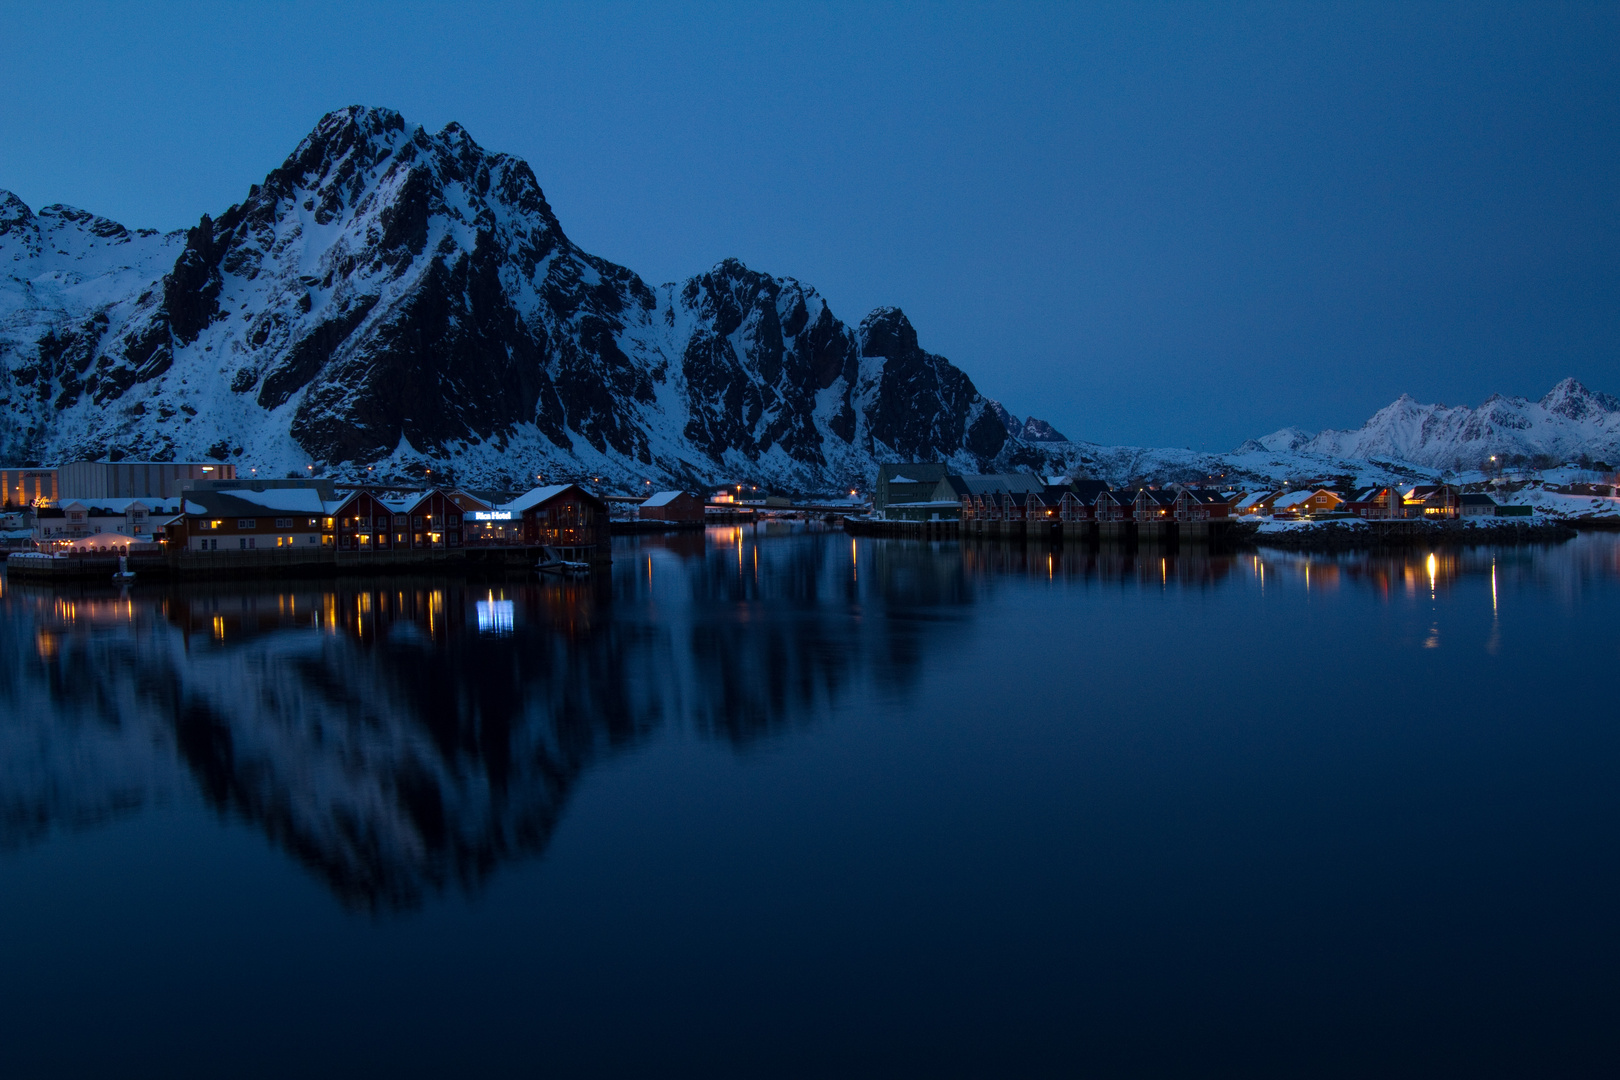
x=1569, y=423
x=398, y=299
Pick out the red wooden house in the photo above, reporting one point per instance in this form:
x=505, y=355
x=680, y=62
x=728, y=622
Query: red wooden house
x=563, y=516
x=1114, y=505
x=1200, y=504
x=671, y=506
x=1075, y=508
x=432, y=519
x=1153, y=505
x=362, y=522
x=1045, y=505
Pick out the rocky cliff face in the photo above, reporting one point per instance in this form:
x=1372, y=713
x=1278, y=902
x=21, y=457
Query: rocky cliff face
x=397, y=300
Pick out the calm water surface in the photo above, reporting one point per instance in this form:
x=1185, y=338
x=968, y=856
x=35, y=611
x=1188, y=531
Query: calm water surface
x=790, y=804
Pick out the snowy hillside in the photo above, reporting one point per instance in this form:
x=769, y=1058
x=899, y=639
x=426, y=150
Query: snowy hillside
x=400, y=300
x=1570, y=422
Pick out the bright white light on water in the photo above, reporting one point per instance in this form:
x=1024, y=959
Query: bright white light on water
x=494, y=616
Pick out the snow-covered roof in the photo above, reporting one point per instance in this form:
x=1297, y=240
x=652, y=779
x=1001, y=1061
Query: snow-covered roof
x=534, y=497
x=120, y=507
x=1203, y=495
x=294, y=500
x=662, y=498
x=1002, y=483
x=1253, y=499
x=1292, y=499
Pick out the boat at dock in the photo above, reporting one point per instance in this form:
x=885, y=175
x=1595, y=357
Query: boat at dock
x=552, y=562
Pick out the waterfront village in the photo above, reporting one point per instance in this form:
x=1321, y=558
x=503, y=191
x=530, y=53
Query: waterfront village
x=204, y=513
x=925, y=493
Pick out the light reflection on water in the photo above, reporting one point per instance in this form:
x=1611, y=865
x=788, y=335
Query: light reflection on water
x=405, y=740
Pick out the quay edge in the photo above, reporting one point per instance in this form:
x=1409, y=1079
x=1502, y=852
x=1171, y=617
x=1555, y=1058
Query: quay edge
x=269, y=563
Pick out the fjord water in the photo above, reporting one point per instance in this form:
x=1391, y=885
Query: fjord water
x=787, y=803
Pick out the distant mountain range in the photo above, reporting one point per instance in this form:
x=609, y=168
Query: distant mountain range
x=391, y=301
x=1570, y=422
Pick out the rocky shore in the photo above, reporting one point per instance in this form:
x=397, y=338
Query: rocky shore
x=1344, y=536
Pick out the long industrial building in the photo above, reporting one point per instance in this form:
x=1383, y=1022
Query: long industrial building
x=136, y=479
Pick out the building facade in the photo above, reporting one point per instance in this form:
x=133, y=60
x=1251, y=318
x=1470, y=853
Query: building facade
x=564, y=516
x=29, y=487
x=671, y=506
x=135, y=479
x=239, y=521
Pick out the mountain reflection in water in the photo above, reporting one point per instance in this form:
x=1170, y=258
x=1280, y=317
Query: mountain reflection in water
x=404, y=736
x=396, y=736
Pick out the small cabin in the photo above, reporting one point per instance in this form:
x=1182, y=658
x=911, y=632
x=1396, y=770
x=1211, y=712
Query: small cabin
x=1372, y=502
x=671, y=506
x=1255, y=503
x=1432, y=501
x=1306, y=502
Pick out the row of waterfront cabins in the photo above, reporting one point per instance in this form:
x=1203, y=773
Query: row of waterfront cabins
x=1429, y=501
x=565, y=516
x=925, y=491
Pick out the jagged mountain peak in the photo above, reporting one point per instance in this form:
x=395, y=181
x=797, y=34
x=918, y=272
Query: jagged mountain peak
x=887, y=332
x=1570, y=399
x=392, y=299
x=1040, y=431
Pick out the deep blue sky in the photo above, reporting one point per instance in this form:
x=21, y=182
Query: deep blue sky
x=1178, y=225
